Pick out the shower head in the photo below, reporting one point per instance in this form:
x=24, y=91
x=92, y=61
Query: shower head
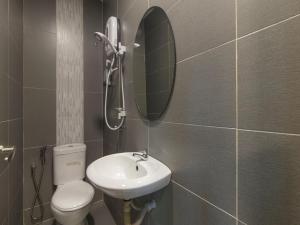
x=102, y=37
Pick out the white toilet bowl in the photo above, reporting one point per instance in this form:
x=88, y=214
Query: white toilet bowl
x=71, y=202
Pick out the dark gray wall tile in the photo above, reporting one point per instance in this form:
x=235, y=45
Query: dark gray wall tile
x=4, y=97
x=132, y=110
x=100, y=215
x=4, y=36
x=165, y=4
x=176, y=206
x=93, y=65
x=204, y=91
x=4, y=51
x=3, y=14
x=93, y=49
x=94, y=150
x=39, y=117
x=110, y=9
x=129, y=27
x=134, y=136
x=47, y=216
x=201, y=25
x=16, y=163
x=16, y=212
x=111, y=143
x=4, y=193
x=188, y=209
x=257, y=14
x=32, y=156
x=115, y=207
x=202, y=159
x=163, y=213
x=93, y=116
x=40, y=15
x=269, y=79
x=4, y=142
x=124, y=6
x=92, y=16
x=40, y=60
x=11, y=108
x=269, y=178
x=16, y=52
x=15, y=99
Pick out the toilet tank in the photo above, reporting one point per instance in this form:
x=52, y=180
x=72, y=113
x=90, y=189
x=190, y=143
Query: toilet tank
x=68, y=163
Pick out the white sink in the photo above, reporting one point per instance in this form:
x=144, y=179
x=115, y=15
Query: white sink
x=121, y=176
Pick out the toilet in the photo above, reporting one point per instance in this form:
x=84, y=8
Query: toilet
x=72, y=199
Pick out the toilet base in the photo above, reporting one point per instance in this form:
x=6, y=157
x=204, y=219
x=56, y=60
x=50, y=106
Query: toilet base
x=77, y=217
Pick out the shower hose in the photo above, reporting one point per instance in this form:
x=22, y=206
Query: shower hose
x=37, y=200
x=121, y=77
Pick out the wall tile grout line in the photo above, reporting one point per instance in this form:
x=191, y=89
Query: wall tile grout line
x=45, y=203
x=203, y=199
x=198, y=125
x=94, y=92
x=205, y=51
x=236, y=38
x=37, y=146
x=236, y=119
x=128, y=9
x=32, y=30
x=228, y=128
x=94, y=140
x=270, y=132
x=38, y=88
x=173, y=5
x=206, y=201
x=270, y=26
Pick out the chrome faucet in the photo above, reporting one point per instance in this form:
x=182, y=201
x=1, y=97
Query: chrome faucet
x=142, y=155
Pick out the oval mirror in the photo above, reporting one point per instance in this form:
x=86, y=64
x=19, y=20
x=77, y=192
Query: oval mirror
x=154, y=63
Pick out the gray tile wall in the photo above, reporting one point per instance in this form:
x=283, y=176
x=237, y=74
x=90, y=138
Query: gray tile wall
x=39, y=106
x=11, y=114
x=93, y=82
x=231, y=133
x=39, y=91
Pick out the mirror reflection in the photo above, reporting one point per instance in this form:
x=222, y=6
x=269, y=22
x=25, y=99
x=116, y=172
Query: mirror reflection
x=154, y=61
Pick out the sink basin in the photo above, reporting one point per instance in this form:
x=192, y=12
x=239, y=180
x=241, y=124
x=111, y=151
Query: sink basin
x=121, y=176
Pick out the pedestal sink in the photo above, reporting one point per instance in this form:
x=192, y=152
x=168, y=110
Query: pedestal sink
x=125, y=176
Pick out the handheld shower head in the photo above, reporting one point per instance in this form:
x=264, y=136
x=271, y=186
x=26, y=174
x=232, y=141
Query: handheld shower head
x=102, y=37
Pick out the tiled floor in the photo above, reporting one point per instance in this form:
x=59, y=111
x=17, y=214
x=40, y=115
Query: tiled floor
x=99, y=215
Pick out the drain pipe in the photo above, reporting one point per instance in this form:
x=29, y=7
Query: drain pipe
x=127, y=212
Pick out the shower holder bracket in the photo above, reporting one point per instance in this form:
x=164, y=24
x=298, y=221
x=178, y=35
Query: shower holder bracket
x=122, y=49
x=121, y=114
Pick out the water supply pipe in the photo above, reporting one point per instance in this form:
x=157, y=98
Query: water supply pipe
x=127, y=211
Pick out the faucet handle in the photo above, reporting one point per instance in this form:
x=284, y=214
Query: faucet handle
x=142, y=154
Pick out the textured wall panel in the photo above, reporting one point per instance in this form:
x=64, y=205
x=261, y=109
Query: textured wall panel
x=69, y=71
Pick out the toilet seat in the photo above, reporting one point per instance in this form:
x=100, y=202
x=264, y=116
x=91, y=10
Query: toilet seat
x=72, y=196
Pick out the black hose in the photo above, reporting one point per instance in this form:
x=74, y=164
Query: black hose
x=37, y=200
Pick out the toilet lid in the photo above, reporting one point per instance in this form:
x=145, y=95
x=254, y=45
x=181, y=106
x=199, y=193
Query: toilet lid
x=72, y=196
